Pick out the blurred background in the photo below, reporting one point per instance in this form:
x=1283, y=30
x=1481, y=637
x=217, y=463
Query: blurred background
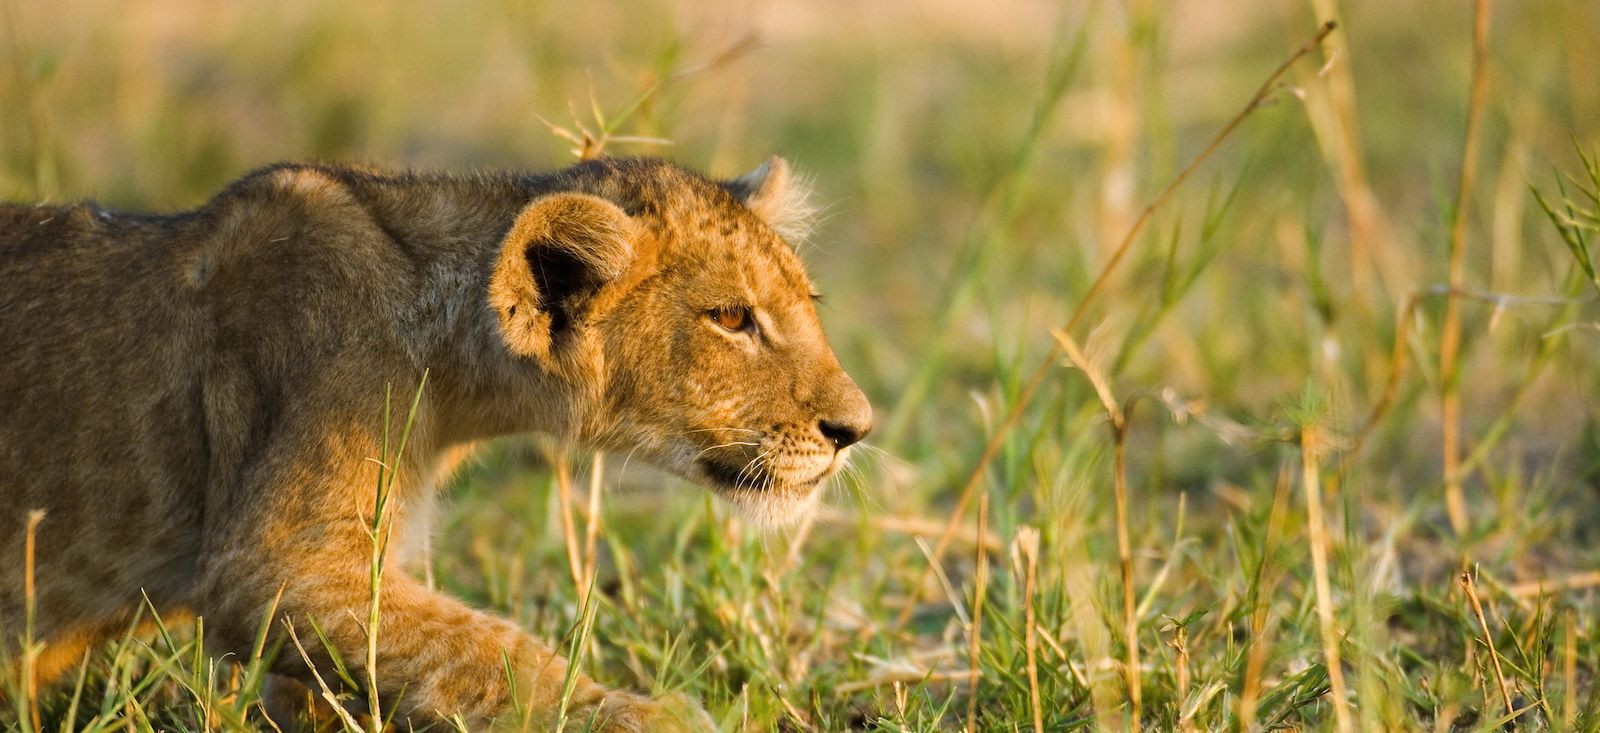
x=979, y=164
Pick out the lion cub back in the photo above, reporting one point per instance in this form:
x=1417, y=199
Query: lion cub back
x=99, y=424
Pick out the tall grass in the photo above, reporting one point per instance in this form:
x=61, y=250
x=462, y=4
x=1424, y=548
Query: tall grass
x=1263, y=539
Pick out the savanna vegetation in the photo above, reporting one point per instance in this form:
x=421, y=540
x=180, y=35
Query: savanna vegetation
x=1231, y=372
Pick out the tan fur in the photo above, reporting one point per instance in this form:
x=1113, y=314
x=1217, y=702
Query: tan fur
x=195, y=399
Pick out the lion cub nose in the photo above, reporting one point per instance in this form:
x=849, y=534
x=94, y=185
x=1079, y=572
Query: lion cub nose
x=844, y=433
x=846, y=415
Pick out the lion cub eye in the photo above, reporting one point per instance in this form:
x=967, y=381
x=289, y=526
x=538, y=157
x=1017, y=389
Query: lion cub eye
x=733, y=318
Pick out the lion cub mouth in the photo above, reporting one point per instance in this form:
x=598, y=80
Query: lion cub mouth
x=747, y=477
x=760, y=496
x=742, y=477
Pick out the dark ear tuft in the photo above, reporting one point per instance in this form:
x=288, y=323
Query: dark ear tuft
x=559, y=252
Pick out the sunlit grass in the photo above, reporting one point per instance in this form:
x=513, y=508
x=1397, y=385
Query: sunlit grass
x=1273, y=337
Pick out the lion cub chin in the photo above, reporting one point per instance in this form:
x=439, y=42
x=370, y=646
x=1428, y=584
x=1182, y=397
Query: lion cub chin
x=197, y=401
x=778, y=511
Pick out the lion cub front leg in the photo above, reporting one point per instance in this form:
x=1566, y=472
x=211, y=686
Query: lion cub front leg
x=437, y=658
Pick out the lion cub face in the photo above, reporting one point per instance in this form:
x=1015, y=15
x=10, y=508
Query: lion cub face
x=699, y=323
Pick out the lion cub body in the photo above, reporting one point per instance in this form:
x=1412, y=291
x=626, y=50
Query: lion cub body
x=193, y=399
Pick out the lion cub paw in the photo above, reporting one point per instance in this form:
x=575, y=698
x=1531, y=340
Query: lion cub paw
x=623, y=712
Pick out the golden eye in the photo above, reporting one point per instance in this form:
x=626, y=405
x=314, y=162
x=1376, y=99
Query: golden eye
x=732, y=318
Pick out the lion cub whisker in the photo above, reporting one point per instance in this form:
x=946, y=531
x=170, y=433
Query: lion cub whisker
x=722, y=429
x=722, y=445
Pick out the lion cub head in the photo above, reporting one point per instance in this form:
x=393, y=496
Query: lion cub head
x=680, y=316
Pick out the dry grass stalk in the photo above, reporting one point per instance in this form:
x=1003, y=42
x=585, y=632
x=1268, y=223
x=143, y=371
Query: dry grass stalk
x=797, y=544
x=1397, y=369
x=1450, y=339
x=908, y=525
x=1471, y=589
x=1398, y=356
x=569, y=530
x=30, y=651
x=1180, y=644
x=1256, y=661
x=795, y=715
x=1334, y=120
x=979, y=593
x=1569, y=670
x=1250, y=694
x=1098, y=669
x=1543, y=586
x=898, y=677
x=1124, y=110
x=590, y=143
x=345, y=717
x=1025, y=554
x=1119, y=431
x=1031, y=387
x=950, y=593
x=591, y=533
x=1311, y=482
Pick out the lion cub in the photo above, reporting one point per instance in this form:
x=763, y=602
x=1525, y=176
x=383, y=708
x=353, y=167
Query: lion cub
x=196, y=400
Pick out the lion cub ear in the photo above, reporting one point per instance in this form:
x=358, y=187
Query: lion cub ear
x=778, y=196
x=561, y=250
